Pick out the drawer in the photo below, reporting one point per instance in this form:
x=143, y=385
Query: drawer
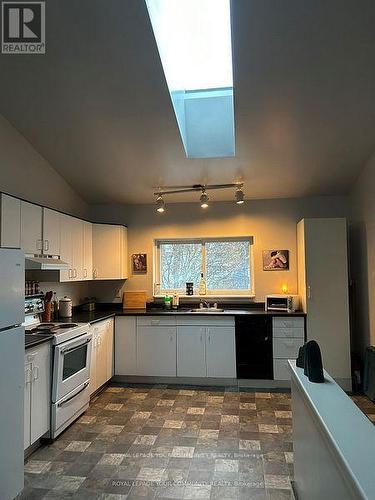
x=286, y=348
x=298, y=333
x=293, y=322
x=194, y=320
x=156, y=320
x=281, y=369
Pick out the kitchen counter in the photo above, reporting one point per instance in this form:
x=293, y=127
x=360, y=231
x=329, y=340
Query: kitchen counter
x=103, y=313
x=31, y=340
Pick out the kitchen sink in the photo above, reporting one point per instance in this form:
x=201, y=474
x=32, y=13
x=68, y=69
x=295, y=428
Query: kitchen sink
x=207, y=310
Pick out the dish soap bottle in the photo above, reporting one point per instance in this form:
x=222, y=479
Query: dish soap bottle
x=202, y=286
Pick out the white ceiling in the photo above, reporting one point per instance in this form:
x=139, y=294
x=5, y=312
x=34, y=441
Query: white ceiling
x=97, y=105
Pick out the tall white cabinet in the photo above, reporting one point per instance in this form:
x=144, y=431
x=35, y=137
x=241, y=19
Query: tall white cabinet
x=324, y=289
x=109, y=252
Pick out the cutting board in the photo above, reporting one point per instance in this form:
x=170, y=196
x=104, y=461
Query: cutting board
x=134, y=300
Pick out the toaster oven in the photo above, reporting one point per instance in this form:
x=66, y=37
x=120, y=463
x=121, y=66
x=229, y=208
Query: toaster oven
x=283, y=303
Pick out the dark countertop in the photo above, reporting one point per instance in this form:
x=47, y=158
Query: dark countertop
x=31, y=340
x=102, y=313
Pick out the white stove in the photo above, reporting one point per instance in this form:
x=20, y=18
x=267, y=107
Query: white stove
x=70, y=394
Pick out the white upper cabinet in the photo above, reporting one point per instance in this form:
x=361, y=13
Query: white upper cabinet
x=77, y=250
x=87, y=250
x=66, y=246
x=10, y=222
x=31, y=228
x=51, y=232
x=110, y=252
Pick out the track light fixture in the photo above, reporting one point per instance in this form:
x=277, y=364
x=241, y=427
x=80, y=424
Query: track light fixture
x=202, y=188
x=239, y=195
x=204, y=199
x=160, y=205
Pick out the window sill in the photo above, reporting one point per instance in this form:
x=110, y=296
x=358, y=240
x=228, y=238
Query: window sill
x=210, y=297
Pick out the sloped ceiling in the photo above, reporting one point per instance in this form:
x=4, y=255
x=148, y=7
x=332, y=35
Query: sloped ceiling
x=96, y=105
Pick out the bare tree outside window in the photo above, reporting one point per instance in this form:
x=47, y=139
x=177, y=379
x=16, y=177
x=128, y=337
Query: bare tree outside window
x=179, y=263
x=226, y=265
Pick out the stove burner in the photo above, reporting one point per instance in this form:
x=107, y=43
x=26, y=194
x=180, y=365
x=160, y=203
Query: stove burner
x=67, y=325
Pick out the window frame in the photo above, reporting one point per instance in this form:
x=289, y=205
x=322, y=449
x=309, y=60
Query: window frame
x=249, y=293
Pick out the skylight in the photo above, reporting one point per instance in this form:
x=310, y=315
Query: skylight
x=194, y=42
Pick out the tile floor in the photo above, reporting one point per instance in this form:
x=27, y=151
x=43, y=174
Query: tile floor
x=166, y=442
x=365, y=405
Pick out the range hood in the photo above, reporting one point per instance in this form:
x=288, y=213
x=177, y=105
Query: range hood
x=44, y=263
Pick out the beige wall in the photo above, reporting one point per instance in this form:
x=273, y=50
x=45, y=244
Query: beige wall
x=362, y=234
x=26, y=174
x=271, y=222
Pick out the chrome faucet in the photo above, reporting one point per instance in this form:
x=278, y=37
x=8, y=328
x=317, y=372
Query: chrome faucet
x=207, y=304
x=204, y=303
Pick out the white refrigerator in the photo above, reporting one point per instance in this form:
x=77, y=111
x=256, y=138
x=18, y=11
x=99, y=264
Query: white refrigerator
x=12, y=352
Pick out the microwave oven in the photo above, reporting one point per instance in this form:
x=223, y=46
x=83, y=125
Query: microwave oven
x=284, y=303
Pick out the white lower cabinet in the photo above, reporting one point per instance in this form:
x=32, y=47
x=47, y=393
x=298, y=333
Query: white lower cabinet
x=220, y=352
x=288, y=336
x=101, y=368
x=191, y=351
x=156, y=351
x=37, y=403
x=170, y=346
x=126, y=345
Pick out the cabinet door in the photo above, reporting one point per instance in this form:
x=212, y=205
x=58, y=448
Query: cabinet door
x=101, y=357
x=106, y=247
x=77, y=250
x=87, y=250
x=31, y=228
x=191, y=351
x=10, y=222
x=51, y=232
x=66, y=246
x=327, y=301
x=93, y=385
x=124, y=252
x=156, y=351
x=126, y=345
x=109, y=339
x=27, y=406
x=220, y=352
x=40, y=392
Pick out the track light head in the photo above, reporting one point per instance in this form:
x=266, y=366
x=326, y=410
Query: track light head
x=160, y=205
x=204, y=199
x=239, y=195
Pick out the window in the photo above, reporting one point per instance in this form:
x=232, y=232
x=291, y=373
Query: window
x=225, y=263
x=195, y=47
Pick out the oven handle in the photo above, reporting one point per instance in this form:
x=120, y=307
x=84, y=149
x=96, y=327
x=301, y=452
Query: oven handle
x=74, y=395
x=64, y=351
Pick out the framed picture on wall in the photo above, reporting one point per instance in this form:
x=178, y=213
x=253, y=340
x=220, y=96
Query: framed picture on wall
x=275, y=260
x=139, y=263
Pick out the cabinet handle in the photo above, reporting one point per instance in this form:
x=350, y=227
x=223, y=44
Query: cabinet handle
x=27, y=376
x=94, y=273
x=209, y=336
x=39, y=245
x=85, y=273
x=46, y=245
x=171, y=338
x=309, y=292
x=35, y=372
x=155, y=321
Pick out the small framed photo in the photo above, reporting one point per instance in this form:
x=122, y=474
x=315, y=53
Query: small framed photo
x=275, y=260
x=139, y=263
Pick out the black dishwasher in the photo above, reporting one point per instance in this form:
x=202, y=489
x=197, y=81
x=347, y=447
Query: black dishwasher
x=254, y=347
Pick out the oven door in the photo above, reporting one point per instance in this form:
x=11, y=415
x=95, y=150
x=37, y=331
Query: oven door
x=71, y=366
